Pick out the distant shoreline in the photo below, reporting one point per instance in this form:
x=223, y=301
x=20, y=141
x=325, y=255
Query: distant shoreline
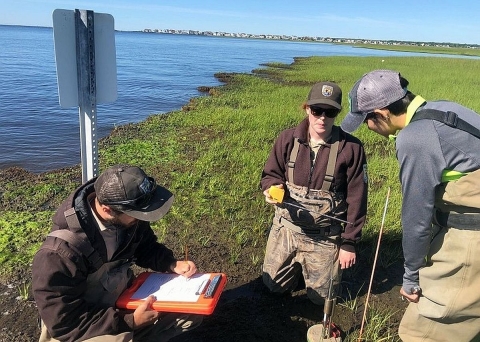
x=336, y=40
x=350, y=41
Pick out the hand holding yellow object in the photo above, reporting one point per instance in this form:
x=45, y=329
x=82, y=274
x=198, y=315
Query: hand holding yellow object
x=276, y=193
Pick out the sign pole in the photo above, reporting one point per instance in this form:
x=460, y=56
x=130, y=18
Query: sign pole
x=86, y=79
x=86, y=73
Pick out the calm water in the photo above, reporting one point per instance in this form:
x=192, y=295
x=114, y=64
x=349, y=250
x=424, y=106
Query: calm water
x=156, y=73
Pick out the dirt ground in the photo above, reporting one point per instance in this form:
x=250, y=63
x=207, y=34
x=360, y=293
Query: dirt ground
x=246, y=311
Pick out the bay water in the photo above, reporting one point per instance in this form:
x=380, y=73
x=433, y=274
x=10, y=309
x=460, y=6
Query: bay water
x=156, y=73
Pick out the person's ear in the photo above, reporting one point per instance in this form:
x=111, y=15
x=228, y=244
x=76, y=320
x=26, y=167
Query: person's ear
x=106, y=210
x=383, y=114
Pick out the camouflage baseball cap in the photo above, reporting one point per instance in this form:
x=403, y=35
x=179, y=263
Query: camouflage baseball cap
x=130, y=190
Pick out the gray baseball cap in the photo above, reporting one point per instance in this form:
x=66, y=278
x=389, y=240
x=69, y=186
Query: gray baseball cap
x=375, y=90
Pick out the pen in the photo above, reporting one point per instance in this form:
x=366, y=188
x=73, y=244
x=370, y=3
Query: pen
x=186, y=256
x=202, y=287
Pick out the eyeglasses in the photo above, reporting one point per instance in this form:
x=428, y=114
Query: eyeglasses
x=141, y=201
x=329, y=113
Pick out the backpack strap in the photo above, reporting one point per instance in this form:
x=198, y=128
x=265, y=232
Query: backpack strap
x=451, y=119
x=332, y=160
x=448, y=118
x=79, y=239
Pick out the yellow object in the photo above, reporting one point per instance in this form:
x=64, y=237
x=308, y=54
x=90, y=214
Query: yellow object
x=452, y=175
x=276, y=193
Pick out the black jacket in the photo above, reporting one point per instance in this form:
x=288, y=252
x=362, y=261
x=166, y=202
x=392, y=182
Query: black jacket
x=60, y=273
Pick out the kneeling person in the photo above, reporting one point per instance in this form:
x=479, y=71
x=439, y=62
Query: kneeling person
x=323, y=173
x=83, y=266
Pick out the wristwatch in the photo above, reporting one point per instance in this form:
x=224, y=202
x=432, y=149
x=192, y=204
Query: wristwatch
x=415, y=289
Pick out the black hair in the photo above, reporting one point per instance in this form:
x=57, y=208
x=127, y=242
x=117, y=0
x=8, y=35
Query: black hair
x=400, y=106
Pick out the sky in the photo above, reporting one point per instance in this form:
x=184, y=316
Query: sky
x=442, y=21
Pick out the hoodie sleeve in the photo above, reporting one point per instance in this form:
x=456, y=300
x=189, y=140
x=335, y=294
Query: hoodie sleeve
x=152, y=254
x=357, y=188
x=274, y=170
x=59, y=285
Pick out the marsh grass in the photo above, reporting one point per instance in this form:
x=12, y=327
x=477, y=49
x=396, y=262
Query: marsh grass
x=211, y=154
x=24, y=290
x=352, y=301
x=465, y=51
x=378, y=327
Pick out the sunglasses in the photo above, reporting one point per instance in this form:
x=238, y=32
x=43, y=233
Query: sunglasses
x=141, y=201
x=329, y=113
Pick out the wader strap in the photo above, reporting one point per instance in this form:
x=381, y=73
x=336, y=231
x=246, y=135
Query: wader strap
x=72, y=219
x=448, y=118
x=293, y=158
x=79, y=239
x=332, y=160
x=464, y=221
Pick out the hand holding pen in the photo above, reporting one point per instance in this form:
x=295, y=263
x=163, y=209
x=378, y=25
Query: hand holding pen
x=184, y=267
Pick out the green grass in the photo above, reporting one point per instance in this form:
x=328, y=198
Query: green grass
x=377, y=327
x=425, y=49
x=24, y=290
x=212, y=155
x=19, y=237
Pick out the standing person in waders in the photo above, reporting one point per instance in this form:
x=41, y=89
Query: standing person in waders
x=438, y=150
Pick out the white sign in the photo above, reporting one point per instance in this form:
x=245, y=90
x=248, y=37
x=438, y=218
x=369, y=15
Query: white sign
x=66, y=57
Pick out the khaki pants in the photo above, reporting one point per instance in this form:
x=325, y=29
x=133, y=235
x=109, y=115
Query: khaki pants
x=168, y=326
x=290, y=254
x=449, y=308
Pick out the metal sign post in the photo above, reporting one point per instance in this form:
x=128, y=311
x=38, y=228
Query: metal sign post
x=86, y=73
x=85, y=46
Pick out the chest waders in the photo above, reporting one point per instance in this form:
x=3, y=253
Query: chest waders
x=315, y=203
x=454, y=199
x=105, y=280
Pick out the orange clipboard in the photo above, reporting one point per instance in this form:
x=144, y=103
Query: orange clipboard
x=198, y=294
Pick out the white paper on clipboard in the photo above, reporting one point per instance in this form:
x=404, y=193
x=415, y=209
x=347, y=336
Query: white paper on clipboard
x=173, y=287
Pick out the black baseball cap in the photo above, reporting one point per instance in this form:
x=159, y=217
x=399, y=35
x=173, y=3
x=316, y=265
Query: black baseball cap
x=130, y=190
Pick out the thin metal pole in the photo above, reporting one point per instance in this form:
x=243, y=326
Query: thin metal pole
x=327, y=312
x=374, y=264
x=85, y=45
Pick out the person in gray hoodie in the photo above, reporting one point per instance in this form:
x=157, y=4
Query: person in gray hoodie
x=438, y=150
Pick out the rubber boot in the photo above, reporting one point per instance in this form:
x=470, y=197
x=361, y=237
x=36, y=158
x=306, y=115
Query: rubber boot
x=315, y=334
